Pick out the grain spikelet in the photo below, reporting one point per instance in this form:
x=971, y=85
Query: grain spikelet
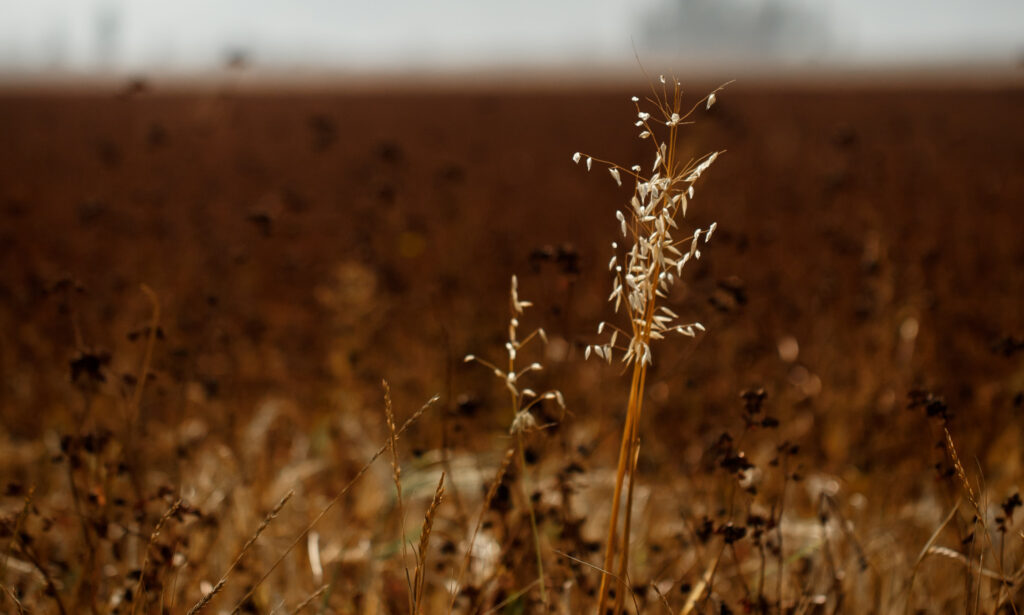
x=421, y=551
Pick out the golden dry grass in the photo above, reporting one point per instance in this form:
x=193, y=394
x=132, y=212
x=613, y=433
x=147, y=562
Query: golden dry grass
x=135, y=485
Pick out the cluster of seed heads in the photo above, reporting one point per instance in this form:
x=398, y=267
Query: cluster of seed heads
x=646, y=271
x=523, y=399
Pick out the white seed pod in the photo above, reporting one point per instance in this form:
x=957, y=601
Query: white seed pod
x=635, y=99
x=711, y=230
x=682, y=263
x=555, y=395
x=590, y=162
x=615, y=175
x=576, y=157
x=468, y=358
x=523, y=422
x=711, y=100
x=645, y=134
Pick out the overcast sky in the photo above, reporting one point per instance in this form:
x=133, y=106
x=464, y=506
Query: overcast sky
x=189, y=35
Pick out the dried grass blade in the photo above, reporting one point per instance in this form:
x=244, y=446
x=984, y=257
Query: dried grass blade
x=396, y=476
x=323, y=512
x=491, y=492
x=149, y=545
x=267, y=520
x=421, y=552
x=698, y=589
x=308, y=601
x=924, y=552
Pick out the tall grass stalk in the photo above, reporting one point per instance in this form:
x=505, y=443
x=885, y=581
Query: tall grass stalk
x=643, y=275
x=396, y=475
x=522, y=401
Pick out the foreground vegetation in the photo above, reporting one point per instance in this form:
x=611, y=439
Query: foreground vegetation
x=145, y=490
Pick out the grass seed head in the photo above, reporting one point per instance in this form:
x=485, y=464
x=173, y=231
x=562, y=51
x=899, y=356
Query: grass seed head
x=654, y=262
x=523, y=398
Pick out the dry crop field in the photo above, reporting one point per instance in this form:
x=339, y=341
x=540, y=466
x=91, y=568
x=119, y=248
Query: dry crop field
x=202, y=292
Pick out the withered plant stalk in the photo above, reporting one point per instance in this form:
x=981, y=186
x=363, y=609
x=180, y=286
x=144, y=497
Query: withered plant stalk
x=643, y=275
x=522, y=402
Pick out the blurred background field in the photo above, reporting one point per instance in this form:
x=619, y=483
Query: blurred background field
x=313, y=219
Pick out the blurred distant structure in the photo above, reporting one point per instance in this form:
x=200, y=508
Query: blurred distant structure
x=738, y=31
x=89, y=37
x=107, y=20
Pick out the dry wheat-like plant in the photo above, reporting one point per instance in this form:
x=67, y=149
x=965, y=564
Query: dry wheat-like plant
x=419, y=578
x=642, y=275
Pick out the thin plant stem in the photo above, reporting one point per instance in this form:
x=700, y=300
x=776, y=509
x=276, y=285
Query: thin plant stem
x=396, y=475
x=267, y=520
x=609, y=553
x=498, y=478
x=644, y=276
x=337, y=498
x=533, y=518
x=624, y=547
x=140, y=584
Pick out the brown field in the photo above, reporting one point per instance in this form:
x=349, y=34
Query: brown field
x=303, y=246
